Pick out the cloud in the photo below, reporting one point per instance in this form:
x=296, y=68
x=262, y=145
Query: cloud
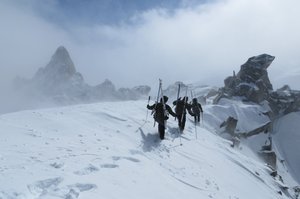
x=203, y=43
x=27, y=41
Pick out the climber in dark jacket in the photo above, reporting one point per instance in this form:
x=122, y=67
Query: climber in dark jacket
x=196, y=110
x=160, y=116
x=181, y=107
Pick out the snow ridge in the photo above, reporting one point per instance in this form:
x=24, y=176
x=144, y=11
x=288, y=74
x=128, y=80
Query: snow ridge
x=108, y=150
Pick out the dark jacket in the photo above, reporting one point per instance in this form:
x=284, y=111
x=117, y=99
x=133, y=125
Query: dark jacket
x=196, y=107
x=159, y=115
x=181, y=106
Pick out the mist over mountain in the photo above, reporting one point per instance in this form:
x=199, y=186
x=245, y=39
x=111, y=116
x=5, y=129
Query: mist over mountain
x=59, y=83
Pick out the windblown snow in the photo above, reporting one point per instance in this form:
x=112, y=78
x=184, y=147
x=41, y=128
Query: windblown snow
x=111, y=150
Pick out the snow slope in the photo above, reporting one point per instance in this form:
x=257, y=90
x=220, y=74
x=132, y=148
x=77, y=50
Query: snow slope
x=287, y=139
x=107, y=150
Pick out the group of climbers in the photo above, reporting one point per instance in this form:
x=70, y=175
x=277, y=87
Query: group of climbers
x=161, y=110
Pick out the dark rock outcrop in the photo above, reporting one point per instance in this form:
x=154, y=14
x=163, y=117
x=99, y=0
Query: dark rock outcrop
x=262, y=129
x=252, y=84
x=269, y=157
x=230, y=125
x=284, y=101
x=252, y=81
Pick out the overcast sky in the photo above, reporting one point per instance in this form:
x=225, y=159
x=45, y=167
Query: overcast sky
x=133, y=42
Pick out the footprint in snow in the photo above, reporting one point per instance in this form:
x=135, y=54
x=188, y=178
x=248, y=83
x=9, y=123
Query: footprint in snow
x=109, y=166
x=83, y=187
x=57, y=165
x=88, y=170
x=74, y=190
x=116, y=158
x=50, y=188
x=13, y=195
x=135, y=152
x=44, y=186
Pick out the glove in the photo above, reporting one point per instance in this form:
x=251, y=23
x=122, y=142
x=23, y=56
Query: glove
x=148, y=107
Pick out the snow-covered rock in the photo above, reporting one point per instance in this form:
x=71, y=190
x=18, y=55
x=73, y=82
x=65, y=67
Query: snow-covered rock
x=252, y=84
x=252, y=81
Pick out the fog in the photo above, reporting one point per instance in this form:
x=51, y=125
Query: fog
x=199, y=42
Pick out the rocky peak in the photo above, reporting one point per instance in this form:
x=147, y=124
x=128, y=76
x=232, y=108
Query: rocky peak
x=62, y=62
x=60, y=68
x=255, y=70
x=252, y=84
x=262, y=62
x=59, y=83
x=252, y=81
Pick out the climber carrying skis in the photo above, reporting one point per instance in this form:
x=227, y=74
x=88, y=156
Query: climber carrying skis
x=161, y=112
x=196, y=110
x=181, y=108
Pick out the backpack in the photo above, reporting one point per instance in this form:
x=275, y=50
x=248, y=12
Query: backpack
x=159, y=115
x=195, y=108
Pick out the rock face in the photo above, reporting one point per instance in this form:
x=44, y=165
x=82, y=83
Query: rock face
x=284, y=101
x=60, y=68
x=60, y=79
x=252, y=84
x=252, y=81
x=59, y=82
x=230, y=125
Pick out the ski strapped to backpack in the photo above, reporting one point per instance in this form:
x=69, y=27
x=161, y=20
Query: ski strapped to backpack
x=184, y=103
x=153, y=111
x=163, y=102
x=196, y=134
x=178, y=93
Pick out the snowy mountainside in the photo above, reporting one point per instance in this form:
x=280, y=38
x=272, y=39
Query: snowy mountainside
x=287, y=139
x=107, y=150
x=249, y=115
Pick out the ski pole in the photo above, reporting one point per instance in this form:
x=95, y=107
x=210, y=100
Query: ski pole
x=196, y=131
x=179, y=137
x=159, y=88
x=182, y=116
x=163, y=102
x=147, y=109
x=184, y=105
x=178, y=93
